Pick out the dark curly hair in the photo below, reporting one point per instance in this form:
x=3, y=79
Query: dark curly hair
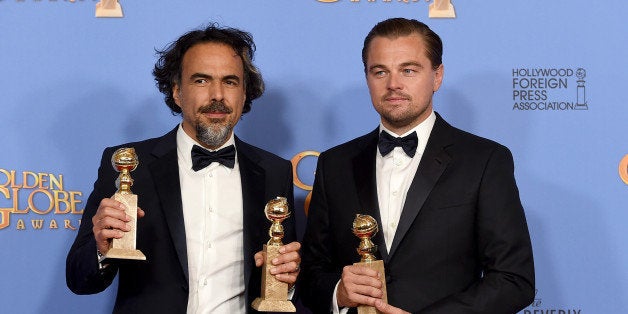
x=397, y=27
x=167, y=70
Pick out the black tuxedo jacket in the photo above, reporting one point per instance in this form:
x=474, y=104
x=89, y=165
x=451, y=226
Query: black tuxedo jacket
x=161, y=284
x=462, y=242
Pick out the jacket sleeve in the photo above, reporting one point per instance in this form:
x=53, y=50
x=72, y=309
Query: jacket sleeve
x=83, y=275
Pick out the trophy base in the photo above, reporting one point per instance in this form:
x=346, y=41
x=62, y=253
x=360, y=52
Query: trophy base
x=378, y=266
x=447, y=13
x=122, y=255
x=262, y=305
x=274, y=294
x=101, y=11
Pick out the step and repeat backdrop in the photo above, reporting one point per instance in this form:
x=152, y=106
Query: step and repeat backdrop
x=548, y=79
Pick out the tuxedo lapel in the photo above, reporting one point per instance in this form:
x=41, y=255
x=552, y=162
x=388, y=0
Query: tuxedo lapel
x=165, y=172
x=433, y=163
x=366, y=186
x=252, y=177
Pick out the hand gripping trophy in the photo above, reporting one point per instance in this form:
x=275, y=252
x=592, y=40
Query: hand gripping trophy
x=124, y=160
x=274, y=296
x=365, y=227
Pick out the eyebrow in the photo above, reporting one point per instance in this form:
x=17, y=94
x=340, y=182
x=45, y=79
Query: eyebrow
x=207, y=76
x=411, y=63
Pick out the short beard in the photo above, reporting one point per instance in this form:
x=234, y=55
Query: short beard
x=213, y=135
x=216, y=132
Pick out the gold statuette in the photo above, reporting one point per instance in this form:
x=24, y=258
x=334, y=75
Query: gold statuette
x=274, y=296
x=124, y=160
x=365, y=227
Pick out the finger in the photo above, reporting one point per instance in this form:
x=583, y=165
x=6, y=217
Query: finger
x=361, y=270
x=289, y=278
x=363, y=290
x=386, y=308
x=286, y=258
x=112, y=223
x=286, y=268
x=259, y=258
x=350, y=295
x=290, y=247
x=140, y=213
x=108, y=211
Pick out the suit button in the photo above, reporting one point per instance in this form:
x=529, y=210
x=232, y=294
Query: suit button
x=184, y=288
x=388, y=279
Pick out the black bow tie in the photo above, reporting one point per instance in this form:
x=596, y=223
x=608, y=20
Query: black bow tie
x=387, y=143
x=201, y=157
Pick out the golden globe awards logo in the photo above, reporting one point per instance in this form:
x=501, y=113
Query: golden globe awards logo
x=36, y=200
x=549, y=89
x=437, y=9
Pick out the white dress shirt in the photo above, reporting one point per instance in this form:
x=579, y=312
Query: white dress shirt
x=213, y=216
x=394, y=174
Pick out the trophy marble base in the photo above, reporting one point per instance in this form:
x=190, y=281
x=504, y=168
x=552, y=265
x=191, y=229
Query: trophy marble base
x=274, y=296
x=123, y=249
x=379, y=267
x=107, y=9
x=273, y=306
x=121, y=255
x=438, y=10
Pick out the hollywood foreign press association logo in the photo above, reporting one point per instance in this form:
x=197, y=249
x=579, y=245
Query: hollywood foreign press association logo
x=549, y=89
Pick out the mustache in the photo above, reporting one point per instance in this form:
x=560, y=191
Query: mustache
x=397, y=94
x=215, y=106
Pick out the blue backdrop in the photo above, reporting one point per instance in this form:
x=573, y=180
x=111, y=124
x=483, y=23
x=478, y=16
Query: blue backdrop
x=547, y=79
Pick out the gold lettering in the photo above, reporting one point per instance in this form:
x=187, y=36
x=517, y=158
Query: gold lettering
x=43, y=178
x=16, y=210
x=37, y=223
x=32, y=206
x=7, y=175
x=20, y=224
x=295, y=164
x=67, y=224
x=25, y=176
x=61, y=197
x=297, y=181
x=53, y=224
x=56, y=182
x=74, y=201
x=623, y=169
x=5, y=213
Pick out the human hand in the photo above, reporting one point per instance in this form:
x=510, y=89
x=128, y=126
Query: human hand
x=359, y=285
x=110, y=222
x=386, y=308
x=286, y=266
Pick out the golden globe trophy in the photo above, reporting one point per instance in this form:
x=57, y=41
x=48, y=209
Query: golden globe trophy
x=274, y=296
x=124, y=160
x=108, y=8
x=365, y=227
x=442, y=9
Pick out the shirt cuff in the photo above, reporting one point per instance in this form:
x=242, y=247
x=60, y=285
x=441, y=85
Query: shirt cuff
x=334, y=303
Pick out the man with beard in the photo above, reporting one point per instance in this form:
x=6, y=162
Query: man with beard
x=453, y=234
x=201, y=191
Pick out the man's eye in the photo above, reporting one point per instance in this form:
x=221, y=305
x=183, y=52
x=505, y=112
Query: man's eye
x=408, y=71
x=200, y=81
